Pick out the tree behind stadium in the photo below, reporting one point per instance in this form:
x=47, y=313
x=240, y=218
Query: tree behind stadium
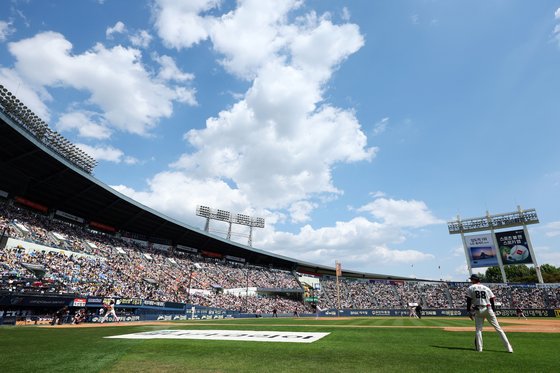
x=520, y=273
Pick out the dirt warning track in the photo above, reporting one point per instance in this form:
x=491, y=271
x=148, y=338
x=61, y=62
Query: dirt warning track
x=521, y=326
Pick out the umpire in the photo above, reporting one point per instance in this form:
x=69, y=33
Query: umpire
x=59, y=316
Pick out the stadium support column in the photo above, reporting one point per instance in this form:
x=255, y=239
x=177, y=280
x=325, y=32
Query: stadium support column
x=465, y=248
x=250, y=241
x=3, y=239
x=338, y=268
x=190, y=282
x=498, y=253
x=247, y=292
x=229, y=231
x=530, y=247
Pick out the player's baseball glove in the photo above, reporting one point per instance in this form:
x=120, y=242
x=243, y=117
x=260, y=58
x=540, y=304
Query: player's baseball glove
x=471, y=315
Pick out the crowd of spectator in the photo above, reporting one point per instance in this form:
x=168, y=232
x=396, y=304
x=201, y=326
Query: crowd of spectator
x=381, y=294
x=82, y=261
x=90, y=263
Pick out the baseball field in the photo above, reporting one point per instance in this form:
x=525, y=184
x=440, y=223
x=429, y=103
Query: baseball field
x=351, y=345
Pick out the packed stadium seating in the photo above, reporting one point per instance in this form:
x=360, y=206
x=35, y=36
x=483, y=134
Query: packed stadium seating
x=89, y=263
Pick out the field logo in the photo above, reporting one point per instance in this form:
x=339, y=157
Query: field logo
x=227, y=335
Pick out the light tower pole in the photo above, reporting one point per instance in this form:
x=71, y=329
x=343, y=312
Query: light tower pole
x=228, y=217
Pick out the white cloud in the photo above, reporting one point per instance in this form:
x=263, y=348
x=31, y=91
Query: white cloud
x=34, y=97
x=107, y=153
x=556, y=31
x=401, y=213
x=252, y=35
x=320, y=46
x=546, y=255
x=458, y=251
x=88, y=124
x=177, y=195
x=380, y=126
x=129, y=98
x=274, y=161
x=462, y=272
x=552, y=229
x=118, y=28
x=299, y=211
x=6, y=30
x=275, y=148
x=170, y=71
x=361, y=244
x=377, y=194
x=279, y=143
x=141, y=39
x=179, y=23
x=345, y=14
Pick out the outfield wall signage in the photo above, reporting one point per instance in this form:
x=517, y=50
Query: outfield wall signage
x=79, y=302
x=34, y=301
x=430, y=312
x=129, y=302
x=153, y=303
x=526, y=312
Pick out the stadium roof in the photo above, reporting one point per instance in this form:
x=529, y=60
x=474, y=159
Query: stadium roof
x=32, y=171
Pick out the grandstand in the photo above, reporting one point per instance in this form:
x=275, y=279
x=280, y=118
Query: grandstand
x=68, y=239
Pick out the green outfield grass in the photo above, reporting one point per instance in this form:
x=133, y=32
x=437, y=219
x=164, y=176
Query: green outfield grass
x=354, y=345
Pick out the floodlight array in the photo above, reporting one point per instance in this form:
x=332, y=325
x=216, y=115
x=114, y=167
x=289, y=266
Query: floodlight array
x=227, y=216
x=511, y=219
x=203, y=211
x=223, y=215
x=243, y=219
x=29, y=121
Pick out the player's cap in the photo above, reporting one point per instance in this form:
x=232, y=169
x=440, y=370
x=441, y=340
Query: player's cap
x=474, y=277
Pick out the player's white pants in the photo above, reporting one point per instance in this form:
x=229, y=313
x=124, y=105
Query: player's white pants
x=112, y=312
x=488, y=314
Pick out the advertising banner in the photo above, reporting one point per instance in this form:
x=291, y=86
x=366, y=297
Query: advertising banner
x=79, y=302
x=481, y=249
x=136, y=302
x=27, y=300
x=513, y=247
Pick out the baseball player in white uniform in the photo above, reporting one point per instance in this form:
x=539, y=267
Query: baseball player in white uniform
x=110, y=310
x=480, y=306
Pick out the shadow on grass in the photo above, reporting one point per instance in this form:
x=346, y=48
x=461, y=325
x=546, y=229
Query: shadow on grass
x=466, y=349
x=453, y=348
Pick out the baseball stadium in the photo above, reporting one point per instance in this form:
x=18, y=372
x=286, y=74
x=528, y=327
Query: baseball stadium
x=95, y=281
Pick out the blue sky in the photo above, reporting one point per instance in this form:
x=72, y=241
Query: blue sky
x=355, y=128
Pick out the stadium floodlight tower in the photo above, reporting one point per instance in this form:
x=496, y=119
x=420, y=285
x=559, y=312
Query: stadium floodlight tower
x=498, y=248
x=226, y=216
x=24, y=118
